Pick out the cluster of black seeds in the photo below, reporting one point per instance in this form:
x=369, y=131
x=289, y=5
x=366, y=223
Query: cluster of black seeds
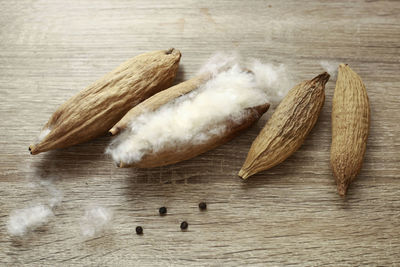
x=163, y=211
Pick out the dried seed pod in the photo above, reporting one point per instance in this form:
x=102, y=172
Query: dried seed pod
x=288, y=126
x=188, y=119
x=350, y=127
x=94, y=110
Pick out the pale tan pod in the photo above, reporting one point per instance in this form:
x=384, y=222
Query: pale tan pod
x=350, y=127
x=188, y=150
x=94, y=110
x=288, y=126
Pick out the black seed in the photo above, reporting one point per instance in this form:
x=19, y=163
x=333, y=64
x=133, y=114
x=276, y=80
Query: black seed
x=184, y=225
x=139, y=230
x=202, y=206
x=162, y=210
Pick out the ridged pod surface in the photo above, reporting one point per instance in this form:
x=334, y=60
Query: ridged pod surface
x=94, y=110
x=350, y=127
x=288, y=126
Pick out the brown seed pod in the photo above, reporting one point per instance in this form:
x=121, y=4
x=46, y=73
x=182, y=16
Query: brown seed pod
x=288, y=126
x=174, y=152
x=94, y=110
x=350, y=127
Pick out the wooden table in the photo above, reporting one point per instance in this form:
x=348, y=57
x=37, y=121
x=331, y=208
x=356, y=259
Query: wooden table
x=289, y=215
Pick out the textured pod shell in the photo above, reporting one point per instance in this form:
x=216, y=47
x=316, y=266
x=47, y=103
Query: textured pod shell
x=288, y=126
x=188, y=150
x=94, y=110
x=350, y=127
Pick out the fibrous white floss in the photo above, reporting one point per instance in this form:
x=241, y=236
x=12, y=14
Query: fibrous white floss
x=219, y=62
x=95, y=221
x=56, y=195
x=23, y=220
x=274, y=80
x=330, y=67
x=199, y=115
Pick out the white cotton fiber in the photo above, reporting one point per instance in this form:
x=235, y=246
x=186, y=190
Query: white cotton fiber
x=330, y=67
x=219, y=62
x=198, y=115
x=23, y=220
x=56, y=196
x=274, y=80
x=95, y=221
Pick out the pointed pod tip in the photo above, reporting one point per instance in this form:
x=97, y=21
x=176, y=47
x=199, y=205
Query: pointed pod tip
x=121, y=164
x=173, y=51
x=322, y=78
x=266, y=106
x=113, y=131
x=169, y=51
x=261, y=109
x=32, y=150
x=342, y=189
x=242, y=174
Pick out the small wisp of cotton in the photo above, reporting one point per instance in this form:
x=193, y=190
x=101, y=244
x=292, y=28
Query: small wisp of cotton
x=96, y=220
x=25, y=220
x=225, y=98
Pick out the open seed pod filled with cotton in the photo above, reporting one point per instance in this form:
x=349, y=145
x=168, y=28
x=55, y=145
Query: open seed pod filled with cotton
x=195, y=116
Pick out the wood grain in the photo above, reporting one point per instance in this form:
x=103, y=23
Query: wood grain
x=289, y=215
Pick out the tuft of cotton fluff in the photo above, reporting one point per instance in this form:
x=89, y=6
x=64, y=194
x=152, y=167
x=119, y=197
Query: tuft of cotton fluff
x=274, y=80
x=199, y=115
x=56, y=196
x=330, y=67
x=219, y=62
x=28, y=219
x=95, y=221
x=22, y=221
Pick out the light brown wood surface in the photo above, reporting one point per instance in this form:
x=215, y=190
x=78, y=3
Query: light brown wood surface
x=289, y=215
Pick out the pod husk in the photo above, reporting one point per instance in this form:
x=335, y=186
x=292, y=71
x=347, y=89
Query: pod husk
x=288, y=126
x=94, y=110
x=350, y=127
